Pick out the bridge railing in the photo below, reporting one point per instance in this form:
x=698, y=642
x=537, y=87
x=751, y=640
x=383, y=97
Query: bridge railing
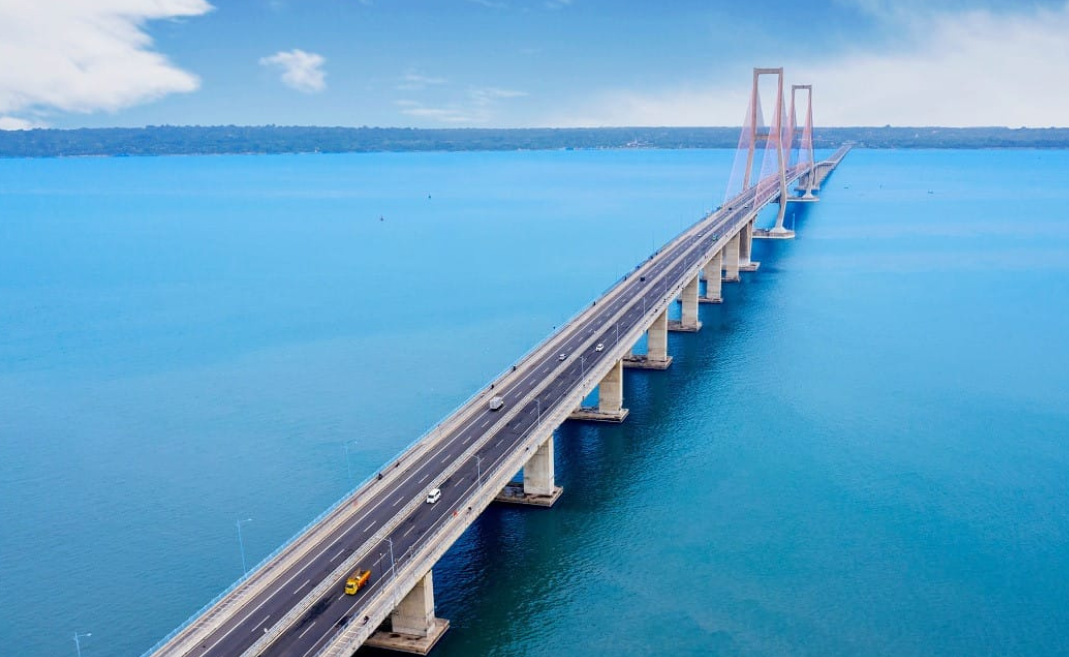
x=400, y=456
x=413, y=446
x=411, y=566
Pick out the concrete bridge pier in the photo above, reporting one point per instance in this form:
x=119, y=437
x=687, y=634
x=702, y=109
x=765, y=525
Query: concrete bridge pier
x=656, y=357
x=711, y=272
x=746, y=247
x=730, y=254
x=413, y=626
x=610, y=406
x=539, y=487
x=689, y=297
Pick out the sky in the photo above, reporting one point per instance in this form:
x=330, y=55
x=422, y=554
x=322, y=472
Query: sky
x=528, y=63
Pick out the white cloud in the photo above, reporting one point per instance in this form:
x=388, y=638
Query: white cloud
x=974, y=68
x=414, y=81
x=301, y=70
x=478, y=107
x=81, y=56
x=14, y=123
x=971, y=68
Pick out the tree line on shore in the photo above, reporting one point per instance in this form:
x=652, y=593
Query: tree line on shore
x=219, y=140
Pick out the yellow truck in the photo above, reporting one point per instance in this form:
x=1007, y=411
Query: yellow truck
x=357, y=581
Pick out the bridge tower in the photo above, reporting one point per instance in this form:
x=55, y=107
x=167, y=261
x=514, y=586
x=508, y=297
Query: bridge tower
x=777, y=139
x=805, y=144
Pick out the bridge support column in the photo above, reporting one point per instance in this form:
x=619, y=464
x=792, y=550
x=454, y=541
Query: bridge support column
x=657, y=338
x=689, y=298
x=712, y=270
x=539, y=487
x=656, y=357
x=731, y=260
x=610, y=406
x=746, y=247
x=415, y=629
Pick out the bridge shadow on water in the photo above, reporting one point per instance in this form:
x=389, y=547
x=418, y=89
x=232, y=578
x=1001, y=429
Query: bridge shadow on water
x=502, y=582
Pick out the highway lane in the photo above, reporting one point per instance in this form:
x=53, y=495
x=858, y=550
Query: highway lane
x=335, y=609
x=234, y=636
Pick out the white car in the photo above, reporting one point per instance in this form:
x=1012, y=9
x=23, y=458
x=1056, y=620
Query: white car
x=562, y=356
x=600, y=347
x=434, y=495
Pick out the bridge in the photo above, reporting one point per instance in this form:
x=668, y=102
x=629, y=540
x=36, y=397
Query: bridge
x=293, y=603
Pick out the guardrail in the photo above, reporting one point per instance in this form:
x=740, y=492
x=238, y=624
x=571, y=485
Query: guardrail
x=427, y=440
x=407, y=454
x=350, y=637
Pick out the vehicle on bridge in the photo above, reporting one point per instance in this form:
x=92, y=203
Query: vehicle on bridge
x=357, y=581
x=434, y=495
x=562, y=357
x=496, y=403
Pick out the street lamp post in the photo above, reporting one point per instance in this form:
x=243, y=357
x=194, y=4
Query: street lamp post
x=241, y=545
x=479, y=469
x=393, y=570
x=78, y=642
x=582, y=367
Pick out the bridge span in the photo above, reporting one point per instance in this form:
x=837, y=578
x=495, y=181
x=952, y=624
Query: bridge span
x=294, y=604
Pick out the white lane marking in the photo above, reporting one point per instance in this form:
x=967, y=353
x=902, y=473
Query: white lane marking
x=260, y=624
x=398, y=500
x=424, y=478
x=340, y=552
x=306, y=583
x=369, y=527
x=465, y=441
x=369, y=510
x=301, y=635
x=408, y=531
x=446, y=459
x=484, y=423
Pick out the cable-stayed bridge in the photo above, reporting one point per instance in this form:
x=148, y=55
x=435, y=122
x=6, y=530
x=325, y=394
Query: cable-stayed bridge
x=294, y=602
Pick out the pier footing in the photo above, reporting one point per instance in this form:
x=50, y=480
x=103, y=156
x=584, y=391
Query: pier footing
x=513, y=493
x=411, y=644
x=677, y=326
x=708, y=300
x=592, y=414
x=641, y=362
x=765, y=234
x=749, y=266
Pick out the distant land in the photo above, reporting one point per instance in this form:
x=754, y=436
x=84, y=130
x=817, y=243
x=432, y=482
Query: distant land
x=218, y=140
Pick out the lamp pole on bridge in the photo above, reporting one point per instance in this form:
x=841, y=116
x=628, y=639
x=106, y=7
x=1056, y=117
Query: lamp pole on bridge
x=78, y=641
x=241, y=546
x=479, y=470
x=582, y=367
x=393, y=571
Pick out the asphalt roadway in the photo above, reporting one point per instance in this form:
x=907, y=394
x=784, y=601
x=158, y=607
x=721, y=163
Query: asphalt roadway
x=335, y=610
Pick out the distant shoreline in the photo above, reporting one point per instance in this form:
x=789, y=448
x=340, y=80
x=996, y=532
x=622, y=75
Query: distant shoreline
x=266, y=140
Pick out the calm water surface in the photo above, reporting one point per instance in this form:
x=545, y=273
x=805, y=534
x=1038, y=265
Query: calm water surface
x=865, y=451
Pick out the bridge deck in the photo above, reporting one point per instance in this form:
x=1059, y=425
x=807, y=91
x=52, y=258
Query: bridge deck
x=294, y=604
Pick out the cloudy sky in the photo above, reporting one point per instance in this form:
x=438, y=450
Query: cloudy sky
x=521, y=63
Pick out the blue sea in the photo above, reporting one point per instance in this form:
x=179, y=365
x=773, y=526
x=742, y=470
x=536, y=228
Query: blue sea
x=865, y=451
